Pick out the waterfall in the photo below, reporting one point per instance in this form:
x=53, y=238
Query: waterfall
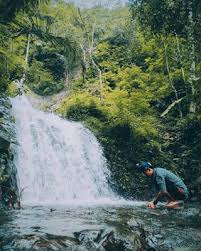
x=58, y=161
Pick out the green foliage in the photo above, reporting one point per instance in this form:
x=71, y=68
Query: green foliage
x=184, y=33
x=11, y=57
x=52, y=61
x=12, y=90
x=160, y=14
x=41, y=81
x=9, y=8
x=3, y=72
x=57, y=51
x=187, y=145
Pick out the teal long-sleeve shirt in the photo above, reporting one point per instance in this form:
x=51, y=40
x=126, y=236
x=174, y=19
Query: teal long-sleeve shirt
x=165, y=181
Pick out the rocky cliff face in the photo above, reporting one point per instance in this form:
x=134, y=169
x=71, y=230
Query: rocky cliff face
x=8, y=184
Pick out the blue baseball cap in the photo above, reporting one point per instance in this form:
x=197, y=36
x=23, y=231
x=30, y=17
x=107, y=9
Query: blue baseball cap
x=143, y=165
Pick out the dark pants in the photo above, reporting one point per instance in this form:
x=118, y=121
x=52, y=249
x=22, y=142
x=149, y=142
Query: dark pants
x=178, y=193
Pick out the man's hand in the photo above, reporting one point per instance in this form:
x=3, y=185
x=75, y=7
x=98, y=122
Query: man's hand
x=151, y=205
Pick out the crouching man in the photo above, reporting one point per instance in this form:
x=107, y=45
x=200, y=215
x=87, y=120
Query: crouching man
x=167, y=184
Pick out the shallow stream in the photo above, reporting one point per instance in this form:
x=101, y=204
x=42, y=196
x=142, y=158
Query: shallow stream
x=53, y=228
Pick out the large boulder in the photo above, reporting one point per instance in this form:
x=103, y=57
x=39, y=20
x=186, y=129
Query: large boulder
x=8, y=184
x=196, y=189
x=7, y=129
x=4, y=140
x=140, y=239
x=102, y=240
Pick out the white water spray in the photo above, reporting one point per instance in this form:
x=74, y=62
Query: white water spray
x=57, y=161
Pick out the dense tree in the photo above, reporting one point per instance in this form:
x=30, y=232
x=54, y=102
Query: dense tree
x=9, y=8
x=181, y=21
x=38, y=32
x=160, y=17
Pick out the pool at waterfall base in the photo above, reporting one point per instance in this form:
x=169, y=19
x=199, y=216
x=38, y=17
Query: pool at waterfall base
x=60, y=228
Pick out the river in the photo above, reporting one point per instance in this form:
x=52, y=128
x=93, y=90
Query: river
x=53, y=228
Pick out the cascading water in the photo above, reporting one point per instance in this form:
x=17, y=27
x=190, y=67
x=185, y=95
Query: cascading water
x=57, y=161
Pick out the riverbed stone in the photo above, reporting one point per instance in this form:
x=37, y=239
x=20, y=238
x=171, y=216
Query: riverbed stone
x=109, y=240
x=150, y=237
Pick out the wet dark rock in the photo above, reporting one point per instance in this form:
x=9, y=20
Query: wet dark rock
x=196, y=191
x=108, y=240
x=4, y=142
x=8, y=182
x=92, y=239
x=150, y=237
x=101, y=240
x=118, y=244
x=34, y=242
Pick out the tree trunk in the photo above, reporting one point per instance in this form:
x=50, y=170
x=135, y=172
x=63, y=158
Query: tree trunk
x=180, y=59
x=66, y=79
x=170, y=79
x=192, y=78
x=83, y=64
x=96, y=65
x=168, y=109
x=90, y=41
x=21, y=82
x=27, y=49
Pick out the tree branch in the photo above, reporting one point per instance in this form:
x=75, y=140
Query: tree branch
x=169, y=108
x=170, y=78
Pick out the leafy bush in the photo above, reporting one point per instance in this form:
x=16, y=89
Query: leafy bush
x=41, y=81
x=188, y=147
x=53, y=61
